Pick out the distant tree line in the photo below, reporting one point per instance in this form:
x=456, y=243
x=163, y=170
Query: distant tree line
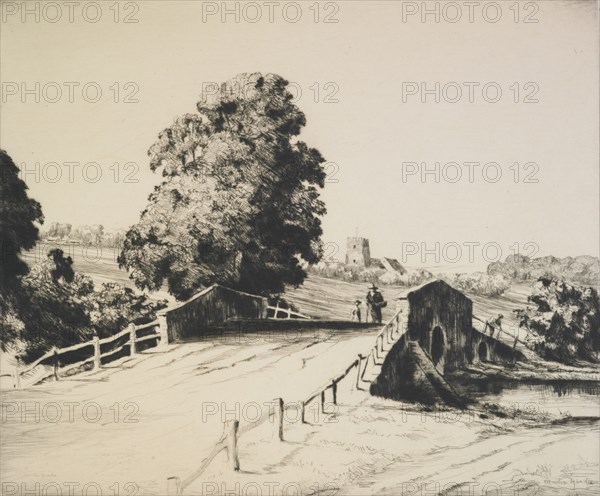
x=583, y=269
x=475, y=283
x=86, y=235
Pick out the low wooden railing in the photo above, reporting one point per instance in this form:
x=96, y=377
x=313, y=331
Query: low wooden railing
x=515, y=336
x=53, y=357
x=290, y=313
x=391, y=332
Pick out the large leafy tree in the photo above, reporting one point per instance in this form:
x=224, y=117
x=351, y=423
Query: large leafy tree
x=18, y=214
x=18, y=232
x=239, y=203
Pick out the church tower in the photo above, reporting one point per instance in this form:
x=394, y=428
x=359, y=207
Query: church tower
x=357, y=252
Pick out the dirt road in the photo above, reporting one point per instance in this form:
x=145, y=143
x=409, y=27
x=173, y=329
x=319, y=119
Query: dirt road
x=168, y=405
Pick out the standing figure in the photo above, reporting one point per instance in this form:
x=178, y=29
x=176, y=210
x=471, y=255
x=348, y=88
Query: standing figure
x=375, y=303
x=356, y=317
x=493, y=324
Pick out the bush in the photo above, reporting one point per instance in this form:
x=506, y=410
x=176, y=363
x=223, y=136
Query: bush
x=381, y=277
x=575, y=270
x=479, y=283
x=565, y=325
x=64, y=308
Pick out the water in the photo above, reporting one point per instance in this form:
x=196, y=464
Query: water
x=557, y=398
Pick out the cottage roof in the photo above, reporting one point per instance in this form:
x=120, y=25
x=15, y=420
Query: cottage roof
x=436, y=282
x=394, y=264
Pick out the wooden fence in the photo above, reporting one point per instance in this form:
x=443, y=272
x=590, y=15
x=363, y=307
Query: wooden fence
x=58, y=362
x=514, y=336
x=211, y=306
x=390, y=332
x=229, y=442
x=288, y=313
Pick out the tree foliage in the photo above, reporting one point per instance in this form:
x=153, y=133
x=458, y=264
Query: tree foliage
x=18, y=214
x=18, y=232
x=239, y=204
x=65, y=308
x=566, y=322
x=583, y=269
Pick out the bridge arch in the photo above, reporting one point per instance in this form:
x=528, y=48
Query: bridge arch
x=483, y=352
x=438, y=347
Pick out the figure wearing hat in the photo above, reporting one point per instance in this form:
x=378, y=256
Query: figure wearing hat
x=375, y=303
x=356, y=314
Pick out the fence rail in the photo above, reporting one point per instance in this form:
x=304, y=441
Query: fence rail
x=228, y=442
x=391, y=332
x=290, y=313
x=501, y=331
x=53, y=357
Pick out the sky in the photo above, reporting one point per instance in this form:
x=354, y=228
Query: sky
x=517, y=105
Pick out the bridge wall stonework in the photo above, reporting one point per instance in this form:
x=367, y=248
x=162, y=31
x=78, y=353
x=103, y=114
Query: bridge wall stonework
x=440, y=339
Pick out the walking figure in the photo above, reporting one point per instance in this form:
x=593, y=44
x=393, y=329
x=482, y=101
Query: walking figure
x=375, y=303
x=356, y=314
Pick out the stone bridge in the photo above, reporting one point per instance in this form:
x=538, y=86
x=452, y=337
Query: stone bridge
x=439, y=339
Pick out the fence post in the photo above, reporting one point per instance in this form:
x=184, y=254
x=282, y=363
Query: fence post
x=163, y=329
x=96, y=341
x=132, y=339
x=334, y=391
x=17, y=375
x=55, y=364
x=174, y=486
x=278, y=421
x=289, y=313
x=360, y=357
x=323, y=401
x=302, y=412
x=232, y=447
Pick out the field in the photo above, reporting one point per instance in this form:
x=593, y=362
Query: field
x=318, y=297
x=170, y=405
x=99, y=263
